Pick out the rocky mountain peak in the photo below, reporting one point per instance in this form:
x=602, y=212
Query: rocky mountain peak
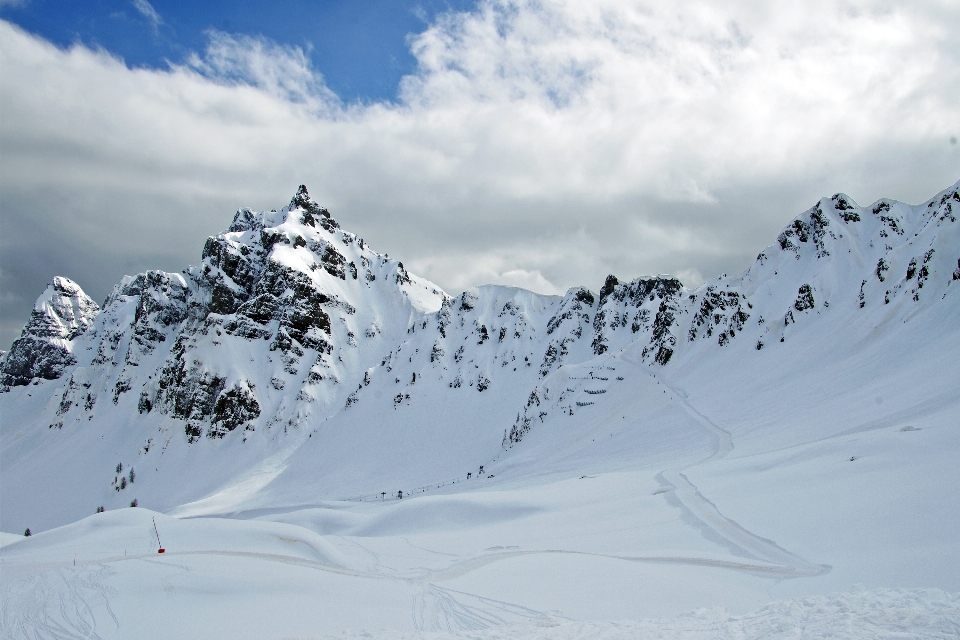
x=62, y=313
x=301, y=198
x=313, y=214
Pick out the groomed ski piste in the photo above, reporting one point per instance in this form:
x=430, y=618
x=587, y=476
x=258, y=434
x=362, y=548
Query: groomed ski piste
x=749, y=487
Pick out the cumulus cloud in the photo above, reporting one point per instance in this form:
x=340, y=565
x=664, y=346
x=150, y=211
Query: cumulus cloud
x=541, y=144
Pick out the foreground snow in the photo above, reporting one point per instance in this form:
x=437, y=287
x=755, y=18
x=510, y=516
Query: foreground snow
x=795, y=541
x=882, y=613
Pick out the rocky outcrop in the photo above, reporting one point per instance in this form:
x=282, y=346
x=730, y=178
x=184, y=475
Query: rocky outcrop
x=647, y=306
x=44, y=349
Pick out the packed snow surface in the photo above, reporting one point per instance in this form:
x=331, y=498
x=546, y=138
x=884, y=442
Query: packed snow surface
x=327, y=446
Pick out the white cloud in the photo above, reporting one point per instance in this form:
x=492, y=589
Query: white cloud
x=280, y=71
x=554, y=139
x=464, y=269
x=147, y=11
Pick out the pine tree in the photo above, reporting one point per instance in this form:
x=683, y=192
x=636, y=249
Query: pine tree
x=27, y=532
x=134, y=503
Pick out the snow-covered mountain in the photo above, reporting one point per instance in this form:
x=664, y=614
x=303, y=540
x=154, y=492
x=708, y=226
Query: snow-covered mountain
x=292, y=329
x=637, y=451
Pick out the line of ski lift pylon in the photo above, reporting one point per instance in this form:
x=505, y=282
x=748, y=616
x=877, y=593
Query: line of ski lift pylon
x=382, y=496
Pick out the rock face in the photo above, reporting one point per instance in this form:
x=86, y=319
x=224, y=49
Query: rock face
x=271, y=307
x=44, y=350
x=291, y=327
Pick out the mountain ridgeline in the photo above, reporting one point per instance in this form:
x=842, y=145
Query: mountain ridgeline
x=289, y=324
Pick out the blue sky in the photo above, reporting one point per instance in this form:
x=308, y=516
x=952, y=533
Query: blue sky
x=359, y=47
x=535, y=143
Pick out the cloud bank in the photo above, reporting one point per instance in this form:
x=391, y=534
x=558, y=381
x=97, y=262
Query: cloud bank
x=542, y=144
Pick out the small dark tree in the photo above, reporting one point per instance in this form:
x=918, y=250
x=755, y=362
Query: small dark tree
x=27, y=532
x=100, y=509
x=134, y=503
x=123, y=483
x=119, y=467
x=132, y=475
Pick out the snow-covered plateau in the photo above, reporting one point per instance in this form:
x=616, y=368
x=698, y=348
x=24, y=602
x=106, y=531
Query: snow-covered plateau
x=326, y=445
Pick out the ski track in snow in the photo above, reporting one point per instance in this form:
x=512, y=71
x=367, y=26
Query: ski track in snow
x=65, y=604
x=438, y=609
x=71, y=603
x=786, y=564
x=888, y=614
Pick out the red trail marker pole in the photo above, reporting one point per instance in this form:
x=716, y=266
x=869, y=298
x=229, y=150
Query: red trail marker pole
x=160, y=544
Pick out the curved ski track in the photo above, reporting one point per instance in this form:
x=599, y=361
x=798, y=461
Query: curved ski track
x=696, y=505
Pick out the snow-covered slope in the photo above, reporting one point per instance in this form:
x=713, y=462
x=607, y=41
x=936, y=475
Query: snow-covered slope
x=293, y=332
x=785, y=432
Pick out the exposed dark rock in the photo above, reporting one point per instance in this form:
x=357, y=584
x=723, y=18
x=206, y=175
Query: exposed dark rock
x=722, y=310
x=61, y=314
x=238, y=263
x=402, y=276
x=609, y=285
x=813, y=228
x=574, y=304
x=845, y=209
x=246, y=220
x=556, y=350
x=467, y=301
x=313, y=214
x=804, y=298
x=662, y=340
x=882, y=268
x=234, y=407
x=911, y=268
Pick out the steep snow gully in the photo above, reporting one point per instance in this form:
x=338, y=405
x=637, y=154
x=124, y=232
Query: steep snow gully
x=327, y=442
